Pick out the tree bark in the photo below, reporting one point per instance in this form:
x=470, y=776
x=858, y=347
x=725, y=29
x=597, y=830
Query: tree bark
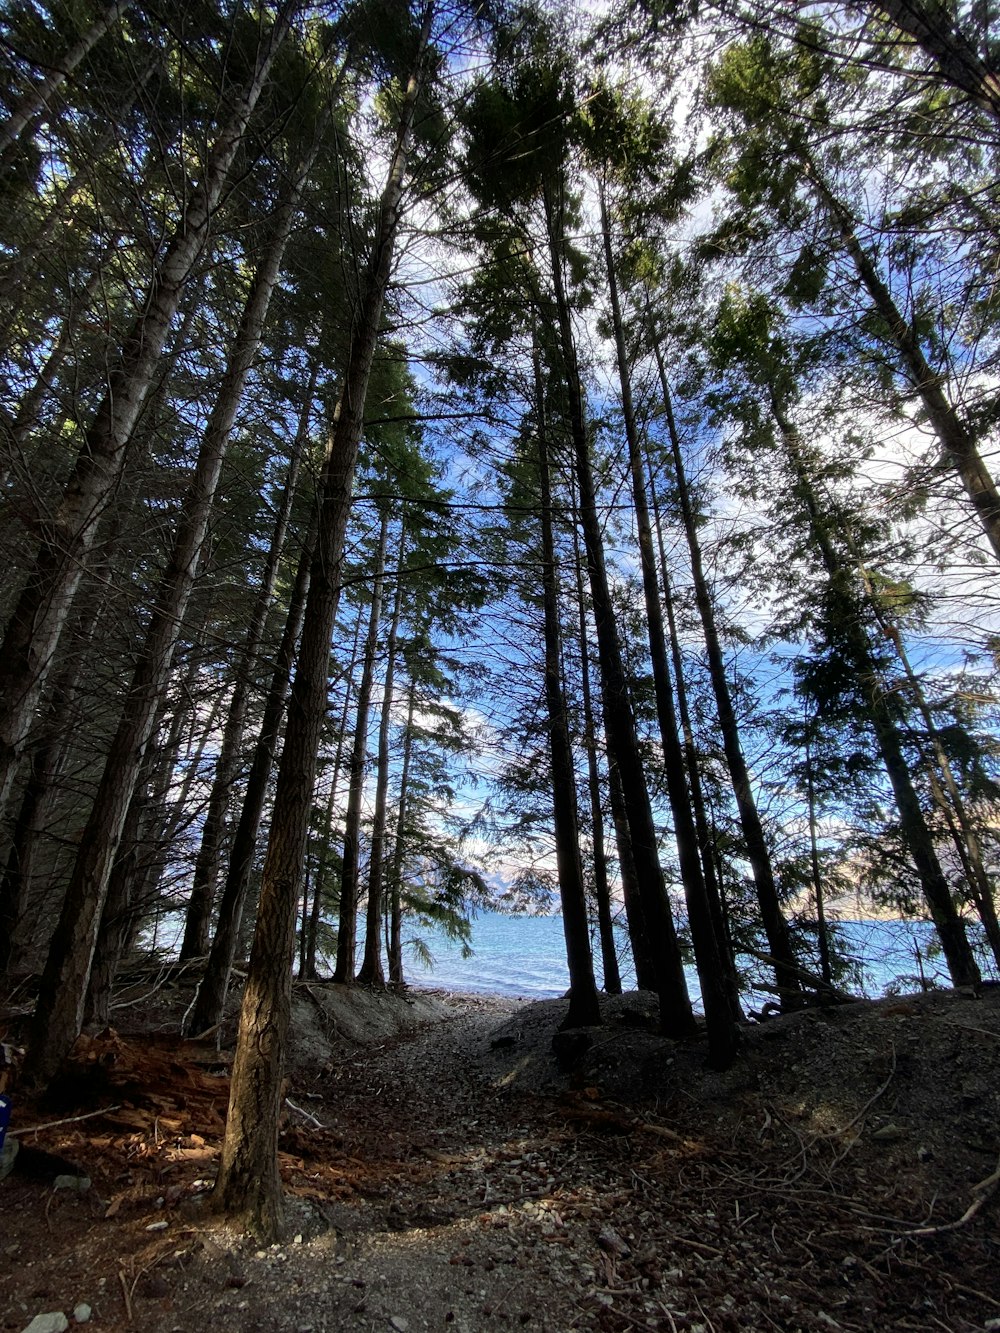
x=309, y=965
x=59, y=1012
x=934, y=30
x=371, y=972
x=248, y=1185
x=706, y=842
x=395, y=944
x=34, y=101
x=602, y=886
x=676, y=1016
x=775, y=926
x=584, y=1008
x=708, y=950
x=40, y=615
x=350, y=877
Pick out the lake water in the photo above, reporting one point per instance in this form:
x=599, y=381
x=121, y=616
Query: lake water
x=525, y=955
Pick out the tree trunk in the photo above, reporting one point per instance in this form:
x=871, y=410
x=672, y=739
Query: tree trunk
x=48, y=760
x=322, y=874
x=371, y=972
x=116, y=919
x=584, y=1008
x=826, y=969
x=206, y=869
x=932, y=26
x=248, y=1185
x=602, y=887
x=676, y=1016
x=775, y=926
x=350, y=877
x=36, y=99
x=210, y=1001
x=708, y=950
x=706, y=842
x=945, y=791
x=41, y=612
x=395, y=944
x=953, y=435
x=59, y=1012
x=916, y=835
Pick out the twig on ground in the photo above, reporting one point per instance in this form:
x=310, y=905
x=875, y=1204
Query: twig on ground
x=693, y=1244
x=306, y=1115
x=126, y=1295
x=666, y=1311
x=981, y=1193
x=17, y=1133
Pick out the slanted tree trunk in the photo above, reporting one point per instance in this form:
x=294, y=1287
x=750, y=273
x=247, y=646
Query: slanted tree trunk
x=775, y=926
x=248, y=1186
x=706, y=842
x=708, y=950
x=350, y=877
x=116, y=919
x=584, y=1008
x=59, y=1012
x=602, y=887
x=44, y=605
x=138, y=863
x=34, y=101
x=932, y=26
x=954, y=436
x=206, y=868
x=945, y=790
x=371, y=972
x=916, y=835
x=211, y=997
x=395, y=943
x=48, y=760
x=323, y=870
x=676, y=1015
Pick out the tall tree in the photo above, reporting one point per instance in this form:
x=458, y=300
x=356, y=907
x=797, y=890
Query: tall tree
x=59, y=1012
x=248, y=1185
x=40, y=615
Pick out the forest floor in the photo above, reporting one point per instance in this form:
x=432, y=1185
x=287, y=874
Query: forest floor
x=443, y=1172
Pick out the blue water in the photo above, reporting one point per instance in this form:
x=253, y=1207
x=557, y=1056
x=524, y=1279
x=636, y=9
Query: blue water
x=526, y=956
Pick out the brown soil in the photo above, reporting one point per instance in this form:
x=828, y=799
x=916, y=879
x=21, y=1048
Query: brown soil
x=450, y=1175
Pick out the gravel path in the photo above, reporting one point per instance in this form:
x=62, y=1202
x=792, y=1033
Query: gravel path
x=453, y=1176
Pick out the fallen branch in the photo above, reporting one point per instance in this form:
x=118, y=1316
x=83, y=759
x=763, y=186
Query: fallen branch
x=836, y=1133
x=306, y=1115
x=70, y=1120
x=828, y=994
x=981, y=1193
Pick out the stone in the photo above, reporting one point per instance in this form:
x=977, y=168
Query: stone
x=887, y=1134
x=53, y=1322
x=399, y=1323
x=611, y=1243
x=82, y=1313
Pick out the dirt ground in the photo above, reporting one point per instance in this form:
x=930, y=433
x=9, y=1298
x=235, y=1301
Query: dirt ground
x=443, y=1171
